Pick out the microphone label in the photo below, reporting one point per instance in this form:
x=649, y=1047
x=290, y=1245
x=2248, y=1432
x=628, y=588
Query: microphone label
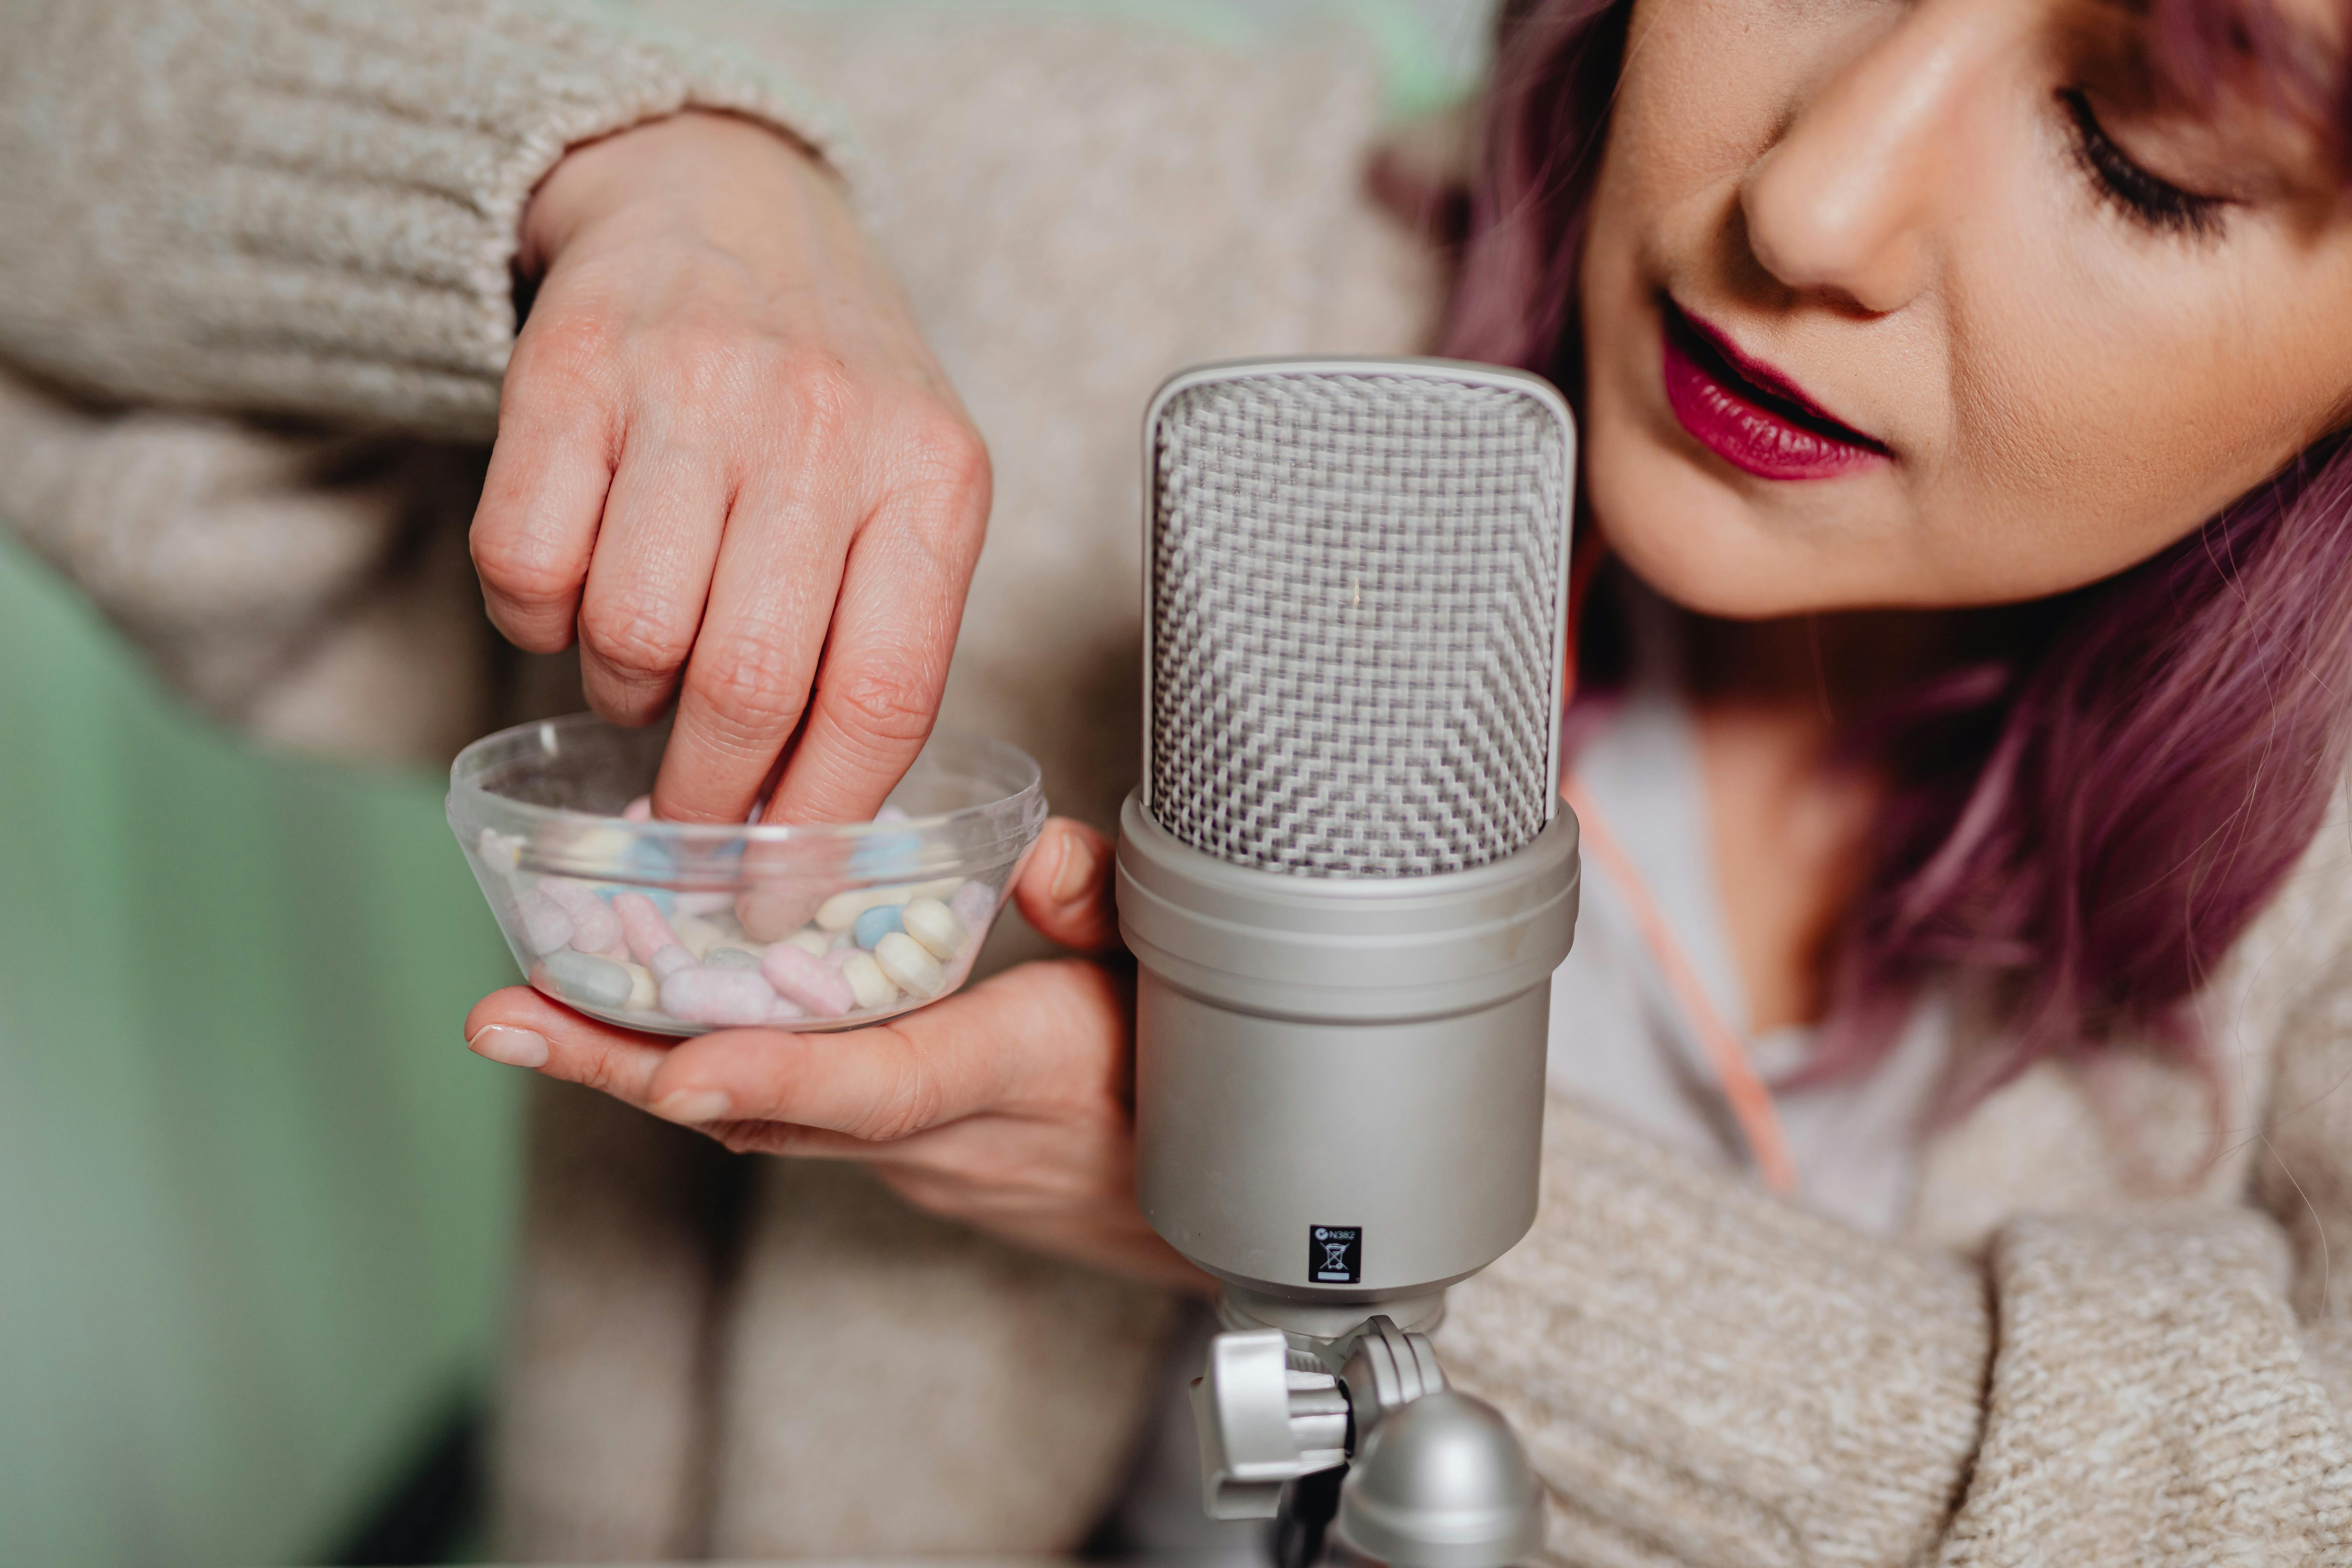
x=1334, y=1254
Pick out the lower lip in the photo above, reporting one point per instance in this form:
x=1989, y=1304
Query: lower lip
x=1751, y=438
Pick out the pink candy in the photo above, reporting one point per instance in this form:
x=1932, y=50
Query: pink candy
x=808, y=981
x=643, y=926
x=702, y=994
x=667, y=960
x=594, y=927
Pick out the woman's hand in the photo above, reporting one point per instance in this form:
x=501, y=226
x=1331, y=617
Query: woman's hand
x=728, y=461
x=1008, y=1106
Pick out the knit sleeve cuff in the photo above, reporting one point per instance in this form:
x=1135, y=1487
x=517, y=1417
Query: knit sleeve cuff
x=1703, y=1374
x=311, y=206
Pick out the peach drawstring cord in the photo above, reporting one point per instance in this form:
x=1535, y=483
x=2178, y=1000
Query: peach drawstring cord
x=1751, y=1102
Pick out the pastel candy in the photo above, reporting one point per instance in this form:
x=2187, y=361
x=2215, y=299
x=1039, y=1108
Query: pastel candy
x=696, y=935
x=974, y=904
x=867, y=983
x=776, y=905
x=887, y=855
x=642, y=924
x=801, y=978
x=702, y=994
x=840, y=911
x=545, y=926
x=888, y=812
x=645, y=991
x=876, y=924
x=910, y=965
x=787, y=1012
x=723, y=957
x=669, y=960
x=639, y=810
x=816, y=943
x=603, y=844
x=934, y=925
x=589, y=981
x=594, y=927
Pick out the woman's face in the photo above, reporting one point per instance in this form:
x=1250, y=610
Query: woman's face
x=1918, y=302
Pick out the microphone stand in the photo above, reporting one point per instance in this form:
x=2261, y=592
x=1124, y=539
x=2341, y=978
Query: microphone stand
x=1360, y=1434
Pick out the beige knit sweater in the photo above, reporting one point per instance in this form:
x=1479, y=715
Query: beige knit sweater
x=2108, y=1336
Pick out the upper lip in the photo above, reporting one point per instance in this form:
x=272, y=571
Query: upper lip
x=1759, y=383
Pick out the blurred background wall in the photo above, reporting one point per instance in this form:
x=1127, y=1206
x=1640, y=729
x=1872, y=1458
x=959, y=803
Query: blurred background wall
x=255, y=1197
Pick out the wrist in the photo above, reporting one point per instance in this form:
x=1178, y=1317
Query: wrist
x=667, y=161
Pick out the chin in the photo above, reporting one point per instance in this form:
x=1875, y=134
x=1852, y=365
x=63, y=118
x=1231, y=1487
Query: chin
x=1694, y=541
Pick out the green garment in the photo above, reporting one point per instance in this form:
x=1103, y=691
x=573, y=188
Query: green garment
x=256, y=1197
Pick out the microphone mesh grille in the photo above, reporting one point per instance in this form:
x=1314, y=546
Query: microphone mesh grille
x=1356, y=610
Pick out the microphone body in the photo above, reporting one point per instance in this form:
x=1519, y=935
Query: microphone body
x=1346, y=878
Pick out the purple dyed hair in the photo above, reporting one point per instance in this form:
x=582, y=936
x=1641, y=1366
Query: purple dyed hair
x=2087, y=824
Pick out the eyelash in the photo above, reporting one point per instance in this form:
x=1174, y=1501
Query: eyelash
x=2147, y=201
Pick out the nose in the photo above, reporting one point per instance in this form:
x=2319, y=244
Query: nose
x=1844, y=204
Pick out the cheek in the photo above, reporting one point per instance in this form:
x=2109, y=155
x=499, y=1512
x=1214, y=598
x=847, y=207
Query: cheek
x=2107, y=401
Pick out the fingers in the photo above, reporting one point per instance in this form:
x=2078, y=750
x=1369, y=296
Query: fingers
x=643, y=605
x=747, y=683
x=1066, y=890
x=1046, y=1032
x=544, y=493
x=894, y=625
x=522, y=1028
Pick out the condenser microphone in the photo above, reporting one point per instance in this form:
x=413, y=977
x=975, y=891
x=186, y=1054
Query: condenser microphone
x=1348, y=878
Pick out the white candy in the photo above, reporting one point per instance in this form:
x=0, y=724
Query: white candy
x=699, y=935
x=866, y=981
x=696, y=995
x=840, y=911
x=813, y=942
x=930, y=921
x=905, y=960
x=645, y=991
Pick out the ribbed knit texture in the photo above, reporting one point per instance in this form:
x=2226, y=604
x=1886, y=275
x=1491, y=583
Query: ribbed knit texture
x=310, y=206
x=2109, y=1340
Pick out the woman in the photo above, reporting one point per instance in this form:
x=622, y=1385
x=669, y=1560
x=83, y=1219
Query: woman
x=1907, y=312
x=1916, y=310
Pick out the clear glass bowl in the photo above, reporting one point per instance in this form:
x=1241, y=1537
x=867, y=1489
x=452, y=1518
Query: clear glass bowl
x=681, y=927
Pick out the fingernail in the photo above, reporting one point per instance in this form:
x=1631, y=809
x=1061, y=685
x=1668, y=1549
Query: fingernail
x=1076, y=872
x=515, y=1048
x=694, y=1107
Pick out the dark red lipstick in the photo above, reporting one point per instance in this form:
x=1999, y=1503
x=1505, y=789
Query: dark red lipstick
x=1749, y=414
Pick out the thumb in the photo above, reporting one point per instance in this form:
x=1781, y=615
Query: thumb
x=1066, y=890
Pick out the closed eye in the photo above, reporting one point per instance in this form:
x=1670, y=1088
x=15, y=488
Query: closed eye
x=2154, y=203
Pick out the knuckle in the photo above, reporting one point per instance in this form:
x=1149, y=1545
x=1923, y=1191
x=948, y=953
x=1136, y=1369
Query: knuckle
x=823, y=397
x=888, y=700
x=637, y=633
x=529, y=569
x=559, y=351
x=750, y=685
x=947, y=452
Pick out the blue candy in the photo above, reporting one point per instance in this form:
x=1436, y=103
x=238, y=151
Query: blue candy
x=876, y=924
x=886, y=856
